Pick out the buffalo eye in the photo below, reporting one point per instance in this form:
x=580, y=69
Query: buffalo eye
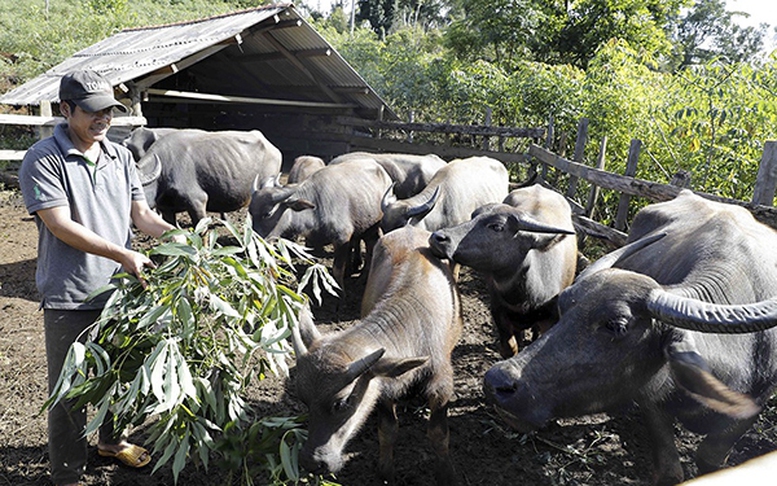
x=497, y=227
x=617, y=327
x=340, y=406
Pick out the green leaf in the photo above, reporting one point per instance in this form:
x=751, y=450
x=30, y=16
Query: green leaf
x=180, y=456
x=174, y=249
x=223, y=307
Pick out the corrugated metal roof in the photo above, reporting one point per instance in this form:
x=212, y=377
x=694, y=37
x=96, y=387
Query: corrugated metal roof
x=266, y=52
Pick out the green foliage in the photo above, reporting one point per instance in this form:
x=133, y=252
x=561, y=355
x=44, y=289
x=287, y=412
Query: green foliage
x=183, y=350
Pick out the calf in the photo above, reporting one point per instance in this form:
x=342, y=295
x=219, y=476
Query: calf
x=411, y=324
x=455, y=191
x=304, y=166
x=338, y=205
x=527, y=252
x=197, y=171
x=410, y=173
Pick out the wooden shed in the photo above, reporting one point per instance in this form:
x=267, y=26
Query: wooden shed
x=265, y=68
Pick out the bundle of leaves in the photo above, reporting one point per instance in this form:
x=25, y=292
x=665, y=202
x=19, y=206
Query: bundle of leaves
x=181, y=347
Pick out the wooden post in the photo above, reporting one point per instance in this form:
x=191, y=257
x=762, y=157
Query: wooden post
x=486, y=141
x=45, y=110
x=594, y=194
x=763, y=193
x=631, y=170
x=548, y=145
x=582, y=138
x=410, y=119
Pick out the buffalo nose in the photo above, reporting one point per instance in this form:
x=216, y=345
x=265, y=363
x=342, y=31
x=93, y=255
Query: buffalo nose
x=313, y=465
x=440, y=244
x=439, y=237
x=499, y=385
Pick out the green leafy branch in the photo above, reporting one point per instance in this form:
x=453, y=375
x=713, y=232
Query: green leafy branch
x=210, y=319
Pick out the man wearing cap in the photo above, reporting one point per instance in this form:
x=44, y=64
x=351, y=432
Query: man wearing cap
x=85, y=194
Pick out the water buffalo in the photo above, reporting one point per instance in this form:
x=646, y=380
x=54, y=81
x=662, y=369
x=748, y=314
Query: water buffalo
x=410, y=173
x=656, y=330
x=197, y=171
x=141, y=139
x=455, y=191
x=304, y=166
x=338, y=205
x=404, y=342
x=527, y=252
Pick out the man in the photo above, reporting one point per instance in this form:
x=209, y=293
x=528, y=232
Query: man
x=85, y=194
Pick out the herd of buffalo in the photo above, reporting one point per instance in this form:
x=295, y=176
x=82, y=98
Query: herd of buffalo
x=679, y=320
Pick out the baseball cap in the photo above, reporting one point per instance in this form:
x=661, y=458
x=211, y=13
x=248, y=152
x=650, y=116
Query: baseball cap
x=89, y=90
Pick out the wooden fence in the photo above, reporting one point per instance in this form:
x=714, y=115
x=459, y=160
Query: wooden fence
x=761, y=205
x=381, y=136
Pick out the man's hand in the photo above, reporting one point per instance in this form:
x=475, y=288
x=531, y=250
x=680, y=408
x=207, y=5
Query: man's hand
x=134, y=263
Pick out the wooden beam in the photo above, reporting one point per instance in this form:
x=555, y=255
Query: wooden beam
x=384, y=145
x=215, y=98
x=50, y=121
x=275, y=56
x=299, y=65
x=173, y=68
x=479, y=130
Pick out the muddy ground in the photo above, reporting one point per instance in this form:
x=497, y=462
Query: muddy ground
x=595, y=450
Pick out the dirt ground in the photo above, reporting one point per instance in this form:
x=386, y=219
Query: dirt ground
x=595, y=450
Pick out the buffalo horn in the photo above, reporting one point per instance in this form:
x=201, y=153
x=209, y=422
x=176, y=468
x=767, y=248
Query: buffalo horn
x=356, y=368
x=389, y=198
x=610, y=259
x=425, y=207
x=697, y=315
x=304, y=334
x=531, y=225
x=150, y=168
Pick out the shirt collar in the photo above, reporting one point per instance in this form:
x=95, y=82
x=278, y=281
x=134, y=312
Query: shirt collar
x=67, y=147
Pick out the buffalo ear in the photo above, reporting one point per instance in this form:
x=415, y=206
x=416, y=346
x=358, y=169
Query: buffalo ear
x=393, y=367
x=692, y=374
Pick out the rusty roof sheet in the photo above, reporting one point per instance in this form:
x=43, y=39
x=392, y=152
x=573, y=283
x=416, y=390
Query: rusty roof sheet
x=266, y=52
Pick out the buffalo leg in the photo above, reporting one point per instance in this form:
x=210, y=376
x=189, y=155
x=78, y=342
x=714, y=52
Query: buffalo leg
x=508, y=343
x=388, y=429
x=666, y=459
x=341, y=257
x=439, y=437
x=714, y=449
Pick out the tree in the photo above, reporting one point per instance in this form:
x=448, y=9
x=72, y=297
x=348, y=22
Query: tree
x=379, y=13
x=709, y=31
x=592, y=23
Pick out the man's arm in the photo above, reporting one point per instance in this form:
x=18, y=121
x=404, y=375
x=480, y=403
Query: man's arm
x=59, y=222
x=149, y=221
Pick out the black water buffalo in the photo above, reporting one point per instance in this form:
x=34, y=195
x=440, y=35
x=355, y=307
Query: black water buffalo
x=527, y=252
x=656, y=330
x=404, y=341
x=411, y=173
x=197, y=172
x=450, y=198
x=141, y=139
x=304, y=166
x=338, y=205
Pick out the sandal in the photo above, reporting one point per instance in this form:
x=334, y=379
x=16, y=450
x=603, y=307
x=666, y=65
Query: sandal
x=132, y=455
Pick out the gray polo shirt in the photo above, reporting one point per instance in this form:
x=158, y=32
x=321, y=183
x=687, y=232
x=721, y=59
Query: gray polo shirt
x=55, y=173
